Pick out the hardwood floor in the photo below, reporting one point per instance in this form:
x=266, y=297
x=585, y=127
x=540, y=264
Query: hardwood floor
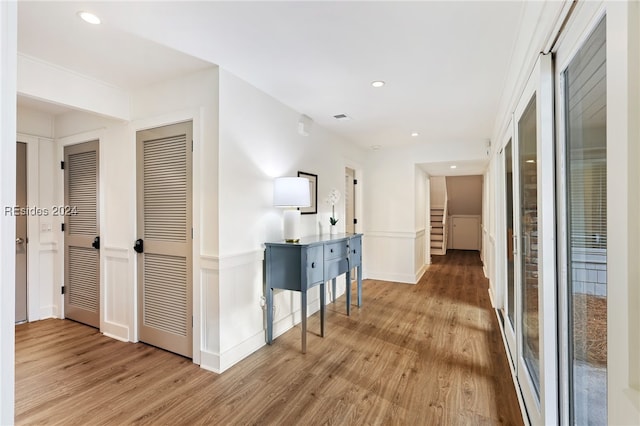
x=412, y=355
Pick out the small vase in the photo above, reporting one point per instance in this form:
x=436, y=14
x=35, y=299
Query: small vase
x=333, y=230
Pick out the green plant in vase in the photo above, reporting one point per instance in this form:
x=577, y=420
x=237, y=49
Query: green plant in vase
x=332, y=199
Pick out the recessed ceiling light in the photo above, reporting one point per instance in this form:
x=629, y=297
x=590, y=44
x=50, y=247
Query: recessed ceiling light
x=453, y=167
x=375, y=147
x=415, y=134
x=89, y=17
x=377, y=83
x=531, y=161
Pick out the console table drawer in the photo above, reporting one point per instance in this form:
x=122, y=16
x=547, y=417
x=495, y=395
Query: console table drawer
x=335, y=250
x=333, y=268
x=314, y=265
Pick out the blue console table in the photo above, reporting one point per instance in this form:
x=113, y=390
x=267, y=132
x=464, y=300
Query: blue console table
x=311, y=262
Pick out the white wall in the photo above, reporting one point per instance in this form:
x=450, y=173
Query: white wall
x=438, y=188
x=465, y=195
x=35, y=123
x=258, y=142
x=45, y=81
x=8, y=48
x=192, y=97
x=421, y=224
x=390, y=203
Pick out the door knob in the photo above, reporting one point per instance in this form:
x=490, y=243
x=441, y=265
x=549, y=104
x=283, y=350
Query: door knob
x=19, y=240
x=139, y=246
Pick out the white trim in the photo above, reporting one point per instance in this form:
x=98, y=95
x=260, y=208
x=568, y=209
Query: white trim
x=420, y=273
x=393, y=277
x=43, y=80
x=48, y=247
x=390, y=234
x=33, y=222
x=108, y=326
x=523, y=410
x=239, y=259
x=214, y=264
x=116, y=336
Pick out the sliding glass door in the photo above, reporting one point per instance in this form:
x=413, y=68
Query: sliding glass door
x=534, y=246
x=509, y=306
x=583, y=153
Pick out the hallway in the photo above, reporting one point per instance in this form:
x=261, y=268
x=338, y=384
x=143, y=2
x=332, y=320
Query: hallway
x=425, y=354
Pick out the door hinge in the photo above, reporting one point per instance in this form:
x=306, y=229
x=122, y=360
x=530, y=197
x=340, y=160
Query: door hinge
x=62, y=227
x=355, y=181
x=191, y=145
x=192, y=233
x=355, y=221
x=62, y=290
x=62, y=165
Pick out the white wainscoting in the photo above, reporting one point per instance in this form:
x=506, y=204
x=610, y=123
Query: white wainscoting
x=232, y=316
x=118, y=294
x=421, y=264
x=390, y=256
x=210, y=313
x=46, y=287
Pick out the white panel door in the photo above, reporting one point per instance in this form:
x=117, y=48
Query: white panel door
x=165, y=238
x=21, y=233
x=81, y=234
x=466, y=233
x=350, y=200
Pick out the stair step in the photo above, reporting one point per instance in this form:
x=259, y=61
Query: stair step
x=437, y=231
x=436, y=237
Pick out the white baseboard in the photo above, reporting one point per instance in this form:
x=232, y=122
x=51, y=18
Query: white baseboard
x=115, y=331
x=399, y=278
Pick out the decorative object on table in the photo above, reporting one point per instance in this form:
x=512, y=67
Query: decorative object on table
x=332, y=199
x=291, y=193
x=313, y=191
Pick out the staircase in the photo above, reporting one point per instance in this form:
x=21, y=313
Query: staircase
x=438, y=240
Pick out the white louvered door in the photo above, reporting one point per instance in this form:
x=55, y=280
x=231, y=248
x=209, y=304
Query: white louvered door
x=165, y=238
x=81, y=233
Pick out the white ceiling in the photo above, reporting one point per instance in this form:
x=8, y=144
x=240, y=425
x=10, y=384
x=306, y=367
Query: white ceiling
x=444, y=62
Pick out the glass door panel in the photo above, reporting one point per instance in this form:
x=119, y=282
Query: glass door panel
x=534, y=214
x=527, y=159
x=510, y=311
x=585, y=98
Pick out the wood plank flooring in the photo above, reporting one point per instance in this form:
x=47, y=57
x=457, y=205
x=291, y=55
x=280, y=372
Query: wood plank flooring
x=429, y=354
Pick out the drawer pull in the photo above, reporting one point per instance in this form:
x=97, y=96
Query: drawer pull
x=331, y=250
x=313, y=264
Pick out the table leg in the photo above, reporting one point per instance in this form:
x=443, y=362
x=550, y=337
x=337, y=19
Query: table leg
x=360, y=285
x=303, y=301
x=269, y=308
x=322, y=309
x=333, y=289
x=348, y=291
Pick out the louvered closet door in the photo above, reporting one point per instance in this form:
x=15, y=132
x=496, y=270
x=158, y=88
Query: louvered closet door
x=82, y=256
x=164, y=226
